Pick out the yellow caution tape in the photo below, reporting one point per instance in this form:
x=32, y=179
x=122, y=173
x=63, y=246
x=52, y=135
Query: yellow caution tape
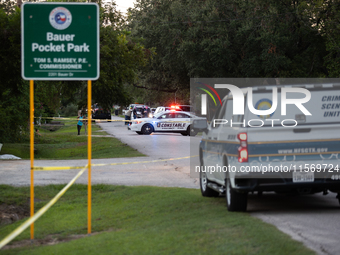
x=37, y=168
x=36, y=216
x=31, y=220
x=111, y=164
x=55, y=118
x=134, y=120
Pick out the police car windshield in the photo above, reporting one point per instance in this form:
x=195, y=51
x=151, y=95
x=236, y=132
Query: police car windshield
x=158, y=114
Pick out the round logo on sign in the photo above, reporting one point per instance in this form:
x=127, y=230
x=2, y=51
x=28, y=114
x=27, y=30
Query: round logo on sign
x=60, y=18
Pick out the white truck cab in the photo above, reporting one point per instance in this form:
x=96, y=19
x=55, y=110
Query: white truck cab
x=287, y=150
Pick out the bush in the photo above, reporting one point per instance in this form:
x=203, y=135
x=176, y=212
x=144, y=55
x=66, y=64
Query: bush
x=70, y=110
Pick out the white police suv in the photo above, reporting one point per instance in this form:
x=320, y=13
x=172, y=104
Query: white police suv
x=166, y=122
x=287, y=140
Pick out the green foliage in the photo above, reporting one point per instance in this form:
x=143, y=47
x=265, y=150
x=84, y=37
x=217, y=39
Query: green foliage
x=120, y=57
x=14, y=100
x=327, y=17
x=235, y=38
x=69, y=110
x=164, y=43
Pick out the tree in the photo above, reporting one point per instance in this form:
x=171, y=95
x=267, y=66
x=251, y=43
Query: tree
x=228, y=38
x=14, y=103
x=325, y=17
x=121, y=57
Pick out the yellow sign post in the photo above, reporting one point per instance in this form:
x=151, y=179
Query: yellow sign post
x=32, y=152
x=89, y=154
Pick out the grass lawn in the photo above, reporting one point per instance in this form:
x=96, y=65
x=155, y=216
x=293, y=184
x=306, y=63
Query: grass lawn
x=64, y=143
x=143, y=220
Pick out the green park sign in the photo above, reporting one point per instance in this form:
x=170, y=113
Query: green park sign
x=60, y=41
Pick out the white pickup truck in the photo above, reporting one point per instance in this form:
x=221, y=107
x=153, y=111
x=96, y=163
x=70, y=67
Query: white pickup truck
x=286, y=151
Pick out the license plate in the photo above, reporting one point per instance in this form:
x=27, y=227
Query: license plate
x=303, y=177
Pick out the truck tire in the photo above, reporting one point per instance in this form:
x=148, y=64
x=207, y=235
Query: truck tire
x=205, y=190
x=236, y=201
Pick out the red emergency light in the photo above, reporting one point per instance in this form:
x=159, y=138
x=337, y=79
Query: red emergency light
x=174, y=108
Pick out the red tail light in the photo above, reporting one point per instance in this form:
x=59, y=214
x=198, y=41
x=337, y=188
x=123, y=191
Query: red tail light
x=243, y=149
x=242, y=136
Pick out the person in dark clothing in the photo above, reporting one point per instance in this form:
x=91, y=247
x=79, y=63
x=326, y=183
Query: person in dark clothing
x=142, y=112
x=147, y=112
x=128, y=116
x=134, y=113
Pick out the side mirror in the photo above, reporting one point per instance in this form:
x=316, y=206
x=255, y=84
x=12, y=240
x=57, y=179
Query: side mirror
x=200, y=124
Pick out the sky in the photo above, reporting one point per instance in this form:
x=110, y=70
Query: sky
x=123, y=5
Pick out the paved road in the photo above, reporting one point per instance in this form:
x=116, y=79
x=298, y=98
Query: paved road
x=313, y=219
x=170, y=173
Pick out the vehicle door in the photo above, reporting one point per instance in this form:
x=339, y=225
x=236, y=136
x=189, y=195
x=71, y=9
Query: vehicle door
x=164, y=122
x=212, y=145
x=139, y=112
x=182, y=121
x=228, y=143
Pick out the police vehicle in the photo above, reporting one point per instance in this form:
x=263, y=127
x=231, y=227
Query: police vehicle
x=166, y=122
x=287, y=151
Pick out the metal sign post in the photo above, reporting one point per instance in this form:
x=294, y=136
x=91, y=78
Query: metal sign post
x=59, y=41
x=89, y=156
x=32, y=153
